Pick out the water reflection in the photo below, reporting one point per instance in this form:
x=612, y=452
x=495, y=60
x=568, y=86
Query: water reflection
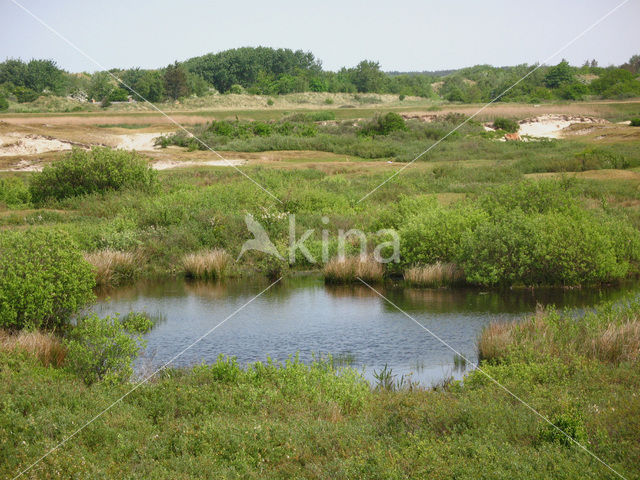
x=350, y=322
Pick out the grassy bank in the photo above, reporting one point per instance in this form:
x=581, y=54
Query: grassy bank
x=283, y=421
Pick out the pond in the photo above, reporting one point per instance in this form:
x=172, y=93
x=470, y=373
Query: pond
x=302, y=315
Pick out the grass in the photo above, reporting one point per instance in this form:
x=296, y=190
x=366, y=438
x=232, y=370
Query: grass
x=209, y=264
x=435, y=275
x=113, y=267
x=314, y=421
x=349, y=269
x=46, y=347
x=615, y=340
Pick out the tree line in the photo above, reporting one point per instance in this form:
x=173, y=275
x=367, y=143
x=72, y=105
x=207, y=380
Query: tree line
x=268, y=71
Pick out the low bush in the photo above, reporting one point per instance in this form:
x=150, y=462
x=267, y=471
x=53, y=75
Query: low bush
x=635, y=122
x=4, y=104
x=435, y=234
x=574, y=248
x=13, y=191
x=506, y=124
x=99, y=170
x=384, y=125
x=43, y=279
x=103, y=349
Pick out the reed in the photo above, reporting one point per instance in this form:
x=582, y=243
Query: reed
x=435, y=275
x=207, y=264
x=113, y=267
x=349, y=269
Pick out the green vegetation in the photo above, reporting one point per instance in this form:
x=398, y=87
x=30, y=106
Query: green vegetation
x=506, y=124
x=103, y=349
x=268, y=71
x=385, y=135
x=43, y=279
x=96, y=171
x=635, y=122
x=296, y=420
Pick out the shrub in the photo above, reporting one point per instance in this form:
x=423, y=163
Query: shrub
x=105, y=348
x=384, y=125
x=434, y=235
x=4, y=104
x=555, y=248
x=99, y=170
x=43, y=279
x=13, y=191
x=635, y=122
x=25, y=94
x=506, y=124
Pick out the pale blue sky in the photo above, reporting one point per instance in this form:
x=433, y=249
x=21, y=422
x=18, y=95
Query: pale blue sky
x=401, y=35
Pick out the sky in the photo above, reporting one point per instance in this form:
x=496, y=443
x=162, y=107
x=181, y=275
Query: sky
x=412, y=35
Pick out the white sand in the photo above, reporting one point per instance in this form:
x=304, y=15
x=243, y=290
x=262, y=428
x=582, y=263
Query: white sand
x=12, y=144
x=552, y=125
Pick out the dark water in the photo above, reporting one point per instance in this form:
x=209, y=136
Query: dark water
x=352, y=323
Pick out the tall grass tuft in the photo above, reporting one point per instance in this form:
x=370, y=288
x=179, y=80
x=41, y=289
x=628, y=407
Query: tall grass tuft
x=435, y=275
x=45, y=346
x=348, y=269
x=618, y=343
x=610, y=334
x=207, y=264
x=113, y=267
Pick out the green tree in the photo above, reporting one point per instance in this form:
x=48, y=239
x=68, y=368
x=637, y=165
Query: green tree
x=4, y=104
x=175, y=81
x=367, y=77
x=100, y=86
x=559, y=75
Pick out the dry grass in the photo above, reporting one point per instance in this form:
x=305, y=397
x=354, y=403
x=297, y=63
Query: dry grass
x=348, y=269
x=618, y=343
x=206, y=264
x=113, y=267
x=435, y=275
x=609, y=342
x=45, y=346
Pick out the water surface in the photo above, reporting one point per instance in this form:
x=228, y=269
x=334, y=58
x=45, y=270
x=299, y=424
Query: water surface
x=301, y=315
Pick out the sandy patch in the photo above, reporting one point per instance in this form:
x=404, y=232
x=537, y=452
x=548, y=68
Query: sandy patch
x=13, y=144
x=137, y=141
x=552, y=125
x=169, y=164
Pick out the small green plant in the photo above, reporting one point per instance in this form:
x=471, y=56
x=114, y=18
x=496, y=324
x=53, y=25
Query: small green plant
x=43, y=279
x=270, y=102
x=103, y=349
x=401, y=97
x=99, y=170
x=506, y=124
x=635, y=122
x=328, y=101
x=4, y=104
x=566, y=428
